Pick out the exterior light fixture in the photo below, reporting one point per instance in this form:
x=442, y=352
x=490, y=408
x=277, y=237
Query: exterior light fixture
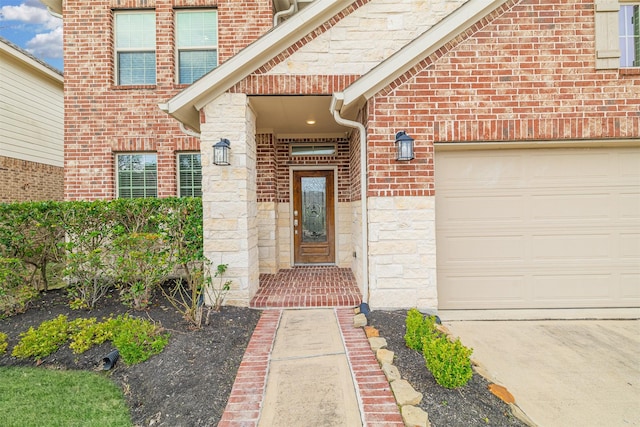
x=221, y=152
x=405, y=146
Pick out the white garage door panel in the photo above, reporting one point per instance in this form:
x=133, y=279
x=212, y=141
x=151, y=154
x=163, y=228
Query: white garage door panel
x=567, y=247
x=504, y=291
x=629, y=289
x=570, y=206
x=538, y=228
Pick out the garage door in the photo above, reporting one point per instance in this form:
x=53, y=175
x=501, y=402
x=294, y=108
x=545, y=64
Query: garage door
x=538, y=228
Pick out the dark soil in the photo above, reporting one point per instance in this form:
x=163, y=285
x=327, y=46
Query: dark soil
x=468, y=406
x=188, y=384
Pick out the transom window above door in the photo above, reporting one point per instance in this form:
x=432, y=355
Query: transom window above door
x=135, y=43
x=197, y=43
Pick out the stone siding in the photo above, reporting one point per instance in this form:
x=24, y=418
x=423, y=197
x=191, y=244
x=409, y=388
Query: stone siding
x=348, y=47
x=229, y=200
x=402, y=252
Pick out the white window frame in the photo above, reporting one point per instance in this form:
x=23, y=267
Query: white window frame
x=117, y=172
x=178, y=170
x=186, y=48
x=630, y=37
x=118, y=50
x=313, y=149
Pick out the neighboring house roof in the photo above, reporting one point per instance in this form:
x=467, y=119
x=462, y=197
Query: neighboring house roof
x=54, y=6
x=33, y=62
x=186, y=104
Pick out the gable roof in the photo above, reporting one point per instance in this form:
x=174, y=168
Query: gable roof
x=30, y=61
x=354, y=96
x=185, y=106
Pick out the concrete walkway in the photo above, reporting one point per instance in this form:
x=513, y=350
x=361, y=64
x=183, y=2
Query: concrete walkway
x=562, y=373
x=310, y=368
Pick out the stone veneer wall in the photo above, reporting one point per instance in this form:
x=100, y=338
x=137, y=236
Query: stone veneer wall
x=402, y=252
x=229, y=200
x=268, y=252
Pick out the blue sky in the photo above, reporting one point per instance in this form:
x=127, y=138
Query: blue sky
x=28, y=24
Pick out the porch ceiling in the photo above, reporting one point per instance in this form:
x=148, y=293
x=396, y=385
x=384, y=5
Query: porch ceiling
x=287, y=116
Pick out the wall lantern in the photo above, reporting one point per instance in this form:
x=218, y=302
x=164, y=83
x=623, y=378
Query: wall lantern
x=405, y=146
x=221, y=152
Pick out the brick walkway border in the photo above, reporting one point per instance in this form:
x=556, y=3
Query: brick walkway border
x=243, y=407
x=377, y=404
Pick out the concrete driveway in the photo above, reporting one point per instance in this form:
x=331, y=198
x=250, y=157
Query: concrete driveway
x=562, y=372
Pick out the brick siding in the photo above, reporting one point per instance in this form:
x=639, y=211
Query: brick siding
x=23, y=181
x=274, y=162
x=102, y=119
x=525, y=73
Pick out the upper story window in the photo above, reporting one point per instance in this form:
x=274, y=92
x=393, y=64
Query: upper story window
x=197, y=43
x=135, y=40
x=629, y=23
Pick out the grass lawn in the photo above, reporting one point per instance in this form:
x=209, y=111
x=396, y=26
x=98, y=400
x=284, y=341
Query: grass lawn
x=43, y=397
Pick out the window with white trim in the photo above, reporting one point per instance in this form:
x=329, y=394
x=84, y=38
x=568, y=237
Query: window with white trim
x=135, y=43
x=197, y=43
x=189, y=175
x=629, y=23
x=137, y=175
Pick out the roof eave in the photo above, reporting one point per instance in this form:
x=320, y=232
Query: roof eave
x=54, y=6
x=185, y=105
x=30, y=61
x=424, y=45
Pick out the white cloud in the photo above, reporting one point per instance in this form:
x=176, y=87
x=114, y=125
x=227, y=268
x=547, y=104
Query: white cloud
x=47, y=29
x=46, y=45
x=30, y=14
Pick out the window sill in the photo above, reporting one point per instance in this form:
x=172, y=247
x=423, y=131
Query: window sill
x=635, y=71
x=134, y=87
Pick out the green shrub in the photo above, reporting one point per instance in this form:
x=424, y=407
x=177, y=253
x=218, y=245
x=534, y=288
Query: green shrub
x=418, y=326
x=75, y=241
x=32, y=232
x=3, y=343
x=142, y=263
x=85, y=333
x=15, y=290
x=448, y=361
x=137, y=339
x=44, y=340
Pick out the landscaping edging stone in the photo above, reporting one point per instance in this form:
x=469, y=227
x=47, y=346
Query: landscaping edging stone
x=406, y=396
x=412, y=415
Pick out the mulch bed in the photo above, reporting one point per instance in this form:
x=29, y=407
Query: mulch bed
x=188, y=384
x=468, y=406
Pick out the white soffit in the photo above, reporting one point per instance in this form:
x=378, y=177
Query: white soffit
x=54, y=6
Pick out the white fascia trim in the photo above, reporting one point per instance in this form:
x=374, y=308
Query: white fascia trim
x=185, y=105
x=430, y=41
x=31, y=62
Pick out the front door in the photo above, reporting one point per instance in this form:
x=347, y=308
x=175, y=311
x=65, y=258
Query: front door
x=313, y=217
